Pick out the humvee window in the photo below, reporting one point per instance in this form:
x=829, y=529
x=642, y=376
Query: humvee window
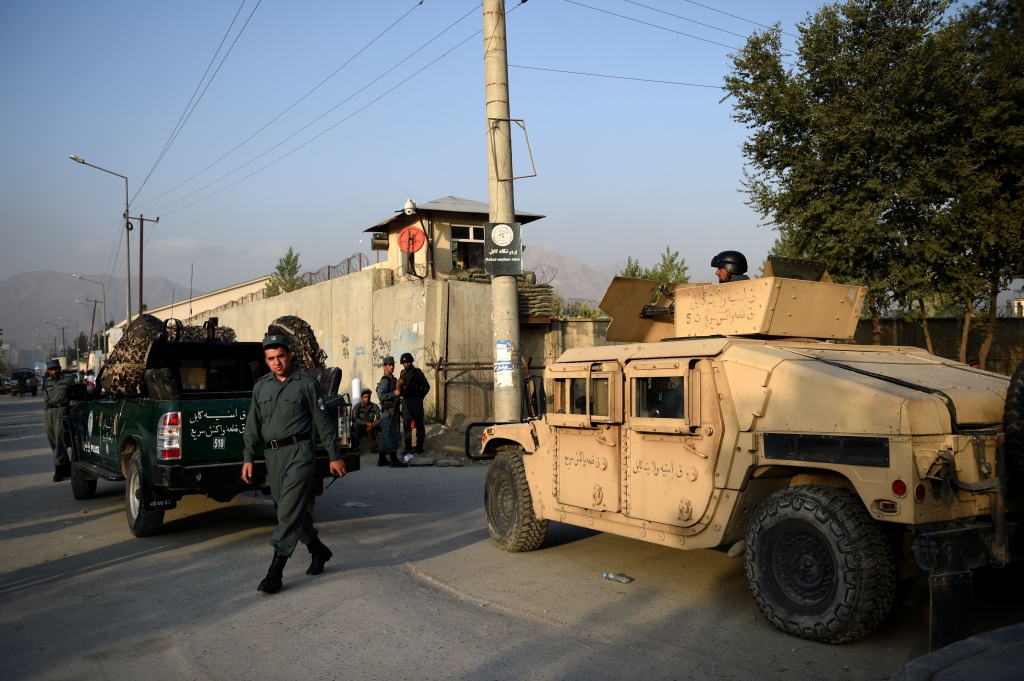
x=578, y=396
x=599, y=397
x=660, y=397
x=193, y=374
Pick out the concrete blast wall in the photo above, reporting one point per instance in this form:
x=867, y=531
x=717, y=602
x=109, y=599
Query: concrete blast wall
x=363, y=317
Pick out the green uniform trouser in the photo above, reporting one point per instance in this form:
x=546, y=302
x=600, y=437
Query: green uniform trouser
x=291, y=482
x=54, y=418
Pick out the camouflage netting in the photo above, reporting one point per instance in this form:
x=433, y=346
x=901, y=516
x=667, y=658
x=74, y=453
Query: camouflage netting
x=306, y=352
x=122, y=372
x=121, y=375
x=224, y=334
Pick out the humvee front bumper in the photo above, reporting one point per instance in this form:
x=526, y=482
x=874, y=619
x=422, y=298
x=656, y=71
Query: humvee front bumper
x=219, y=476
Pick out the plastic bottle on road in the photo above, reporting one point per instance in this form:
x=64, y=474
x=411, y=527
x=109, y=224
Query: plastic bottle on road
x=617, y=577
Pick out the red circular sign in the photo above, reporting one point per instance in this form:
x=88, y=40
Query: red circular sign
x=411, y=239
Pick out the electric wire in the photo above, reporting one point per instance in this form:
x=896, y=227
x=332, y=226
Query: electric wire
x=603, y=75
x=292, y=106
x=321, y=116
x=174, y=135
x=357, y=111
x=692, y=21
x=734, y=16
x=645, y=23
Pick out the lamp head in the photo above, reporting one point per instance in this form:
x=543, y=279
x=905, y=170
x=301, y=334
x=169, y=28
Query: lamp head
x=77, y=159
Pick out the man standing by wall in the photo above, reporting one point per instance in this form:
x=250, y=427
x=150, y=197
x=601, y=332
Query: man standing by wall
x=414, y=387
x=366, y=421
x=55, y=402
x=285, y=405
x=389, y=393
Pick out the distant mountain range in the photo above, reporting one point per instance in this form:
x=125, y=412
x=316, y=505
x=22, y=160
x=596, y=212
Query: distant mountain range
x=575, y=279
x=30, y=298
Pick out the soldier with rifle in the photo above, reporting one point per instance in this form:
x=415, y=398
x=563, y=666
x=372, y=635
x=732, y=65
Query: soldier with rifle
x=55, y=403
x=414, y=387
x=390, y=395
x=286, y=403
x=366, y=421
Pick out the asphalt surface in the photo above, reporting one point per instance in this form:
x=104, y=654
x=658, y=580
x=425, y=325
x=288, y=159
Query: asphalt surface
x=416, y=590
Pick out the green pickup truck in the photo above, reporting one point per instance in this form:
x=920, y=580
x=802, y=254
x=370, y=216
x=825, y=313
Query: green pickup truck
x=183, y=433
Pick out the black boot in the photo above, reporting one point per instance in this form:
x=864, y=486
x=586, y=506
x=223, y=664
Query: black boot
x=382, y=459
x=61, y=471
x=396, y=462
x=272, y=583
x=320, y=555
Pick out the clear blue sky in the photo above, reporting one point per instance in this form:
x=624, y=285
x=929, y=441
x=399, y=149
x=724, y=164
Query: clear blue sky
x=625, y=168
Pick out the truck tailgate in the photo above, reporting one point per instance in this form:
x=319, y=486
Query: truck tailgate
x=212, y=429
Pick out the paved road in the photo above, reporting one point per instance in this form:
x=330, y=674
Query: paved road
x=416, y=591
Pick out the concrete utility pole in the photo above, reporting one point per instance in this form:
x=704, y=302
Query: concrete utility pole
x=142, y=227
x=504, y=303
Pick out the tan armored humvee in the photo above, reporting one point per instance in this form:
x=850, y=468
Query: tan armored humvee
x=731, y=420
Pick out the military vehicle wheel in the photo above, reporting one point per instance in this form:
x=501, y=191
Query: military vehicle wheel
x=509, y=506
x=82, y=485
x=141, y=522
x=1013, y=425
x=818, y=565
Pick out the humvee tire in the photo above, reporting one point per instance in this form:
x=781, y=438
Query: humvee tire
x=1013, y=426
x=82, y=486
x=818, y=566
x=141, y=522
x=509, y=506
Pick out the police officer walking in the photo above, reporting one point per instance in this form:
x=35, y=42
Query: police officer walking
x=366, y=421
x=414, y=387
x=55, y=402
x=732, y=266
x=389, y=393
x=286, y=403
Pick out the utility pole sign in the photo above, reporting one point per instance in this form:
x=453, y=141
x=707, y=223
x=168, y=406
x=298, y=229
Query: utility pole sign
x=503, y=248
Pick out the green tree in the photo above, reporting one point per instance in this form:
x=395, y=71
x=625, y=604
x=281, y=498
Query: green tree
x=285, y=278
x=671, y=270
x=840, y=157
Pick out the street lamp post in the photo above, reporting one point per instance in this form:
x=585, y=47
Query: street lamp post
x=77, y=334
x=92, y=325
x=127, y=247
x=61, y=328
x=106, y=340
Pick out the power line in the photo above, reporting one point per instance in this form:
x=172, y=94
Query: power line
x=603, y=75
x=692, y=21
x=321, y=116
x=293, y=105
x=738, y=17
x=178, y=128
x=645, y=23
x=364, y=107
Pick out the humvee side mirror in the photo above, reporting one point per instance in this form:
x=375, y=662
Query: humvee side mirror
x=535, y=402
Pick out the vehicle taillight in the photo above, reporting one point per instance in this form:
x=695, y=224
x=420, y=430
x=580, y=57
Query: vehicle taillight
x=168, y=436
x=899, y=488
x=919, y=492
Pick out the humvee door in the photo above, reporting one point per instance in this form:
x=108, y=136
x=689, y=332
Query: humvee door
x=673, y=432
x=586, y=425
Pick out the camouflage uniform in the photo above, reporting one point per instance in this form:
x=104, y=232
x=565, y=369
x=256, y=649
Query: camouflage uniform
x=362, y=415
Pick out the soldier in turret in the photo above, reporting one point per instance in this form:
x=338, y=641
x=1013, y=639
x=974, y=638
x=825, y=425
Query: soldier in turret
x=55, y=403
x=731, y=266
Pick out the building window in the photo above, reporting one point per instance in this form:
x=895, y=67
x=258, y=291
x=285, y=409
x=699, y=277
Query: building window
x=467, y=247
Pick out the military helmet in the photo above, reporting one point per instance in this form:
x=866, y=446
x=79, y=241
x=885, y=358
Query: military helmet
x=406, y=357
x=53, y=364
x=732, y=262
